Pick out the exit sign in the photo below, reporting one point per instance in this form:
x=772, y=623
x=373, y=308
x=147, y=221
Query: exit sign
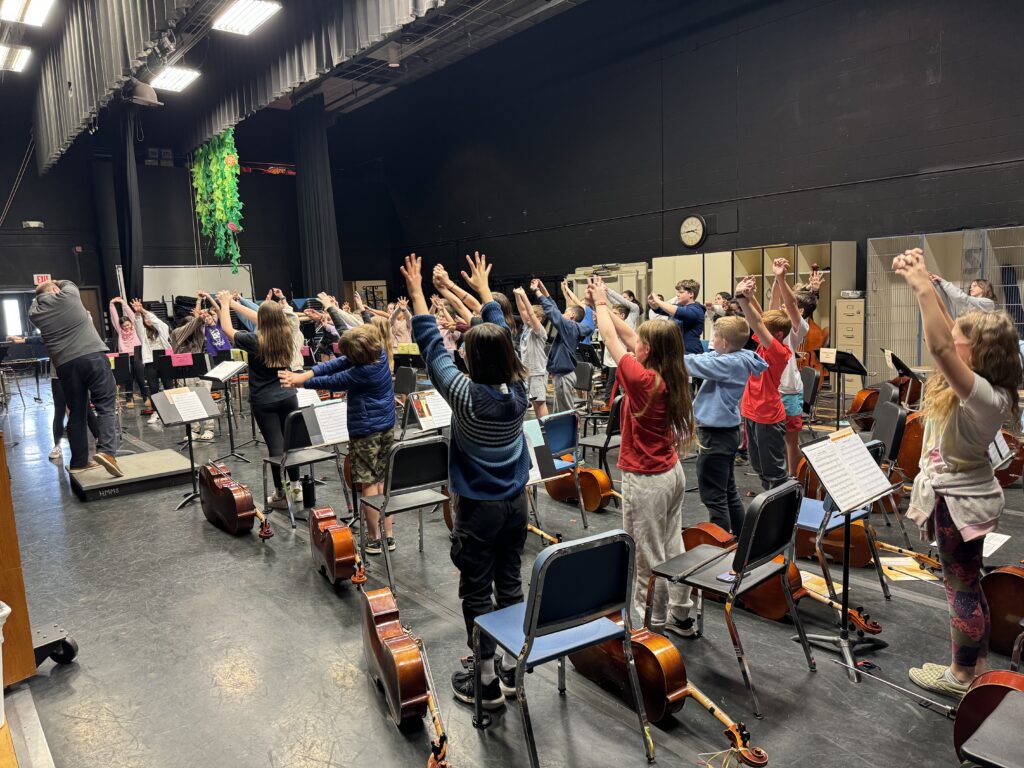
x=40, y=279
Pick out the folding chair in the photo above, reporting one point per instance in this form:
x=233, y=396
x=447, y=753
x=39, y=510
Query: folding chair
x=561, y=434
x=573, y=589
x=769, y=529
x=612, y=438
x=887, y=393
x=298, y=453
x=585, y=383
x=415, y=467
x=811, y=378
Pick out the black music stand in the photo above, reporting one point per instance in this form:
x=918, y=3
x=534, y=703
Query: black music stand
x=223, y=373
x=903, y=370
x=845, y=363
x=171, y=417
x=122, y=378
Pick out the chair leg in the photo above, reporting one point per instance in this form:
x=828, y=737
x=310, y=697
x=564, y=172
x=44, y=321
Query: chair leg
x=531, y=498
x=638, y=697
x=877, y=561
x=795, y=614
x=524, y=709
x=387, y=556
x=700, y=612
x=420, y=513
x=579, y=496
x=480, y=719
x=741, y=657
x=561, y=675
x=825, y=572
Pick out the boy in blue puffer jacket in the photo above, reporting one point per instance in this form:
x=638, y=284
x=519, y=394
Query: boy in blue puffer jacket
x=362, y=371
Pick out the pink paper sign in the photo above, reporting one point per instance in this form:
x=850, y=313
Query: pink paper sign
x=305, y=351
x=183, y=360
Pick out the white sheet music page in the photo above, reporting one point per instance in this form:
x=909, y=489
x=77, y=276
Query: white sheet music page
x=999, y=453
x=333, y=422
x=224, y=371
x=439, y=409
x=534, y=469
x=307, y=397
x=846, y=469
x=190, y=407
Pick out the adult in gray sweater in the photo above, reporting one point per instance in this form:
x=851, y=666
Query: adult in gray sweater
x=980, y=296
x=79, y=356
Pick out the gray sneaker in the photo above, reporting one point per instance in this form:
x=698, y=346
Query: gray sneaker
x=506, y=678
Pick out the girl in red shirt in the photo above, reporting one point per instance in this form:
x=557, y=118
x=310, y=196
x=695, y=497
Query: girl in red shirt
x=657, y=417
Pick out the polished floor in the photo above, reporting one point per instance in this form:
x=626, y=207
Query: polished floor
x=199, y=649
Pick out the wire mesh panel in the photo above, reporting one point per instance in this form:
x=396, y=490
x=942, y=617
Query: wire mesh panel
x=1002, y=263
x=894, y=321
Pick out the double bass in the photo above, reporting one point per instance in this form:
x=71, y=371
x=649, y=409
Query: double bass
x=1004, y=592
x=227, y=503
x=663, y=681
x=333, y=548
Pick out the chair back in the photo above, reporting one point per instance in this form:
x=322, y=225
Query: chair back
x=890, y=421
x=887, y=393
x=811, y=378
x=416, y=465
x=614, y=426
x=405, y=380
x=578, y=581
x=561, y=431
x=584, y=376
x=768, y=527
x=296, y=435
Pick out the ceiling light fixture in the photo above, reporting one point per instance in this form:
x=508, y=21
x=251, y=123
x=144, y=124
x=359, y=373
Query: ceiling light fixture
x=14, y=58
x=31, y=12
x=174, y=79
x=243, y=17
x=394, y=56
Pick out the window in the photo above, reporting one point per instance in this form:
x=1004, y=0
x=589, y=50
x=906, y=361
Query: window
x=12, y=317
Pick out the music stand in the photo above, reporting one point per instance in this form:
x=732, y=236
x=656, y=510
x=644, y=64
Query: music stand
x=845, y=363
x=172, y=417
x=904, y=371
x=223, y=373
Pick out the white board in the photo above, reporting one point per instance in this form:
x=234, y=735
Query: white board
x=163, y=283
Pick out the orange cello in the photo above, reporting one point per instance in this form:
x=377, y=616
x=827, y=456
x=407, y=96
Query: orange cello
x=768, y=600
x=227, y=503
x=595, y=488
x=333, y=548
x=1004, y=592
x=985, y=694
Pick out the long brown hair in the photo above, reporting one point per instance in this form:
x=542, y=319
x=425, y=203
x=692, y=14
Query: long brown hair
x=490, y=357
x=506, y=310
x=383, y=326
x=274, y=335
x=665, y=358
x=995, y=356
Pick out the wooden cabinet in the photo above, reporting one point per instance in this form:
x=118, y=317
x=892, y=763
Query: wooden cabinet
x=19, y=656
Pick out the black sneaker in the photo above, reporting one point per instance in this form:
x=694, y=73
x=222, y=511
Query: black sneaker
x=506, y=678
x=391, y=544
x=373, y=547
x=681, y=627
x=462, y=688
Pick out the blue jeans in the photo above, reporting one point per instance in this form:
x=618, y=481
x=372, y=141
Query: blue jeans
x=84, y=379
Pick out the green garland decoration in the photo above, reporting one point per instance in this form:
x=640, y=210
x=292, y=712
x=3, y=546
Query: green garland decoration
x=219, y=210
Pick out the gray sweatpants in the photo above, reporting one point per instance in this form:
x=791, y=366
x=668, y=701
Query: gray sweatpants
x=565, y=391
x=652, y=513
x=766, y=444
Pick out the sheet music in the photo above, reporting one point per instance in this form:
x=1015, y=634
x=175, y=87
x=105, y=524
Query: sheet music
x=190, y=407
x=827, y=355
x=993, y=541
x=307, y=397
x=999, y=452
x=224, y=371
x=333, y=422
x=846, y=469
x=442, y=412
x=888, y=358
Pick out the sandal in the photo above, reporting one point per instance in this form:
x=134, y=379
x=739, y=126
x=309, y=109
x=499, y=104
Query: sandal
x=938, y=678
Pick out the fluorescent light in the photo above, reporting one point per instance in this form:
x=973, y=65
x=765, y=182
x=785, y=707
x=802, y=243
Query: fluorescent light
x=14, y=58
x=242, y=17
x=174, y=79
x=33, y=12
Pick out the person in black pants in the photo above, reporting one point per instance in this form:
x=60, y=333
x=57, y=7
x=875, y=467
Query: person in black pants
x=270, y=350
x=60, y=407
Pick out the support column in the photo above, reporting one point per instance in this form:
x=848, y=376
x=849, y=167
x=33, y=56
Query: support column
x=126, y=200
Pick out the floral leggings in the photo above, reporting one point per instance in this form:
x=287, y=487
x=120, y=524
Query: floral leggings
x=969, y=622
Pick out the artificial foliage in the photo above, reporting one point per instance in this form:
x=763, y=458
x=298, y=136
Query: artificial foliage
x=218, y=208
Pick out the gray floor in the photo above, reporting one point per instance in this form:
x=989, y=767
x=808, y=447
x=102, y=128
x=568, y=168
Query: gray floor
x=198, y=649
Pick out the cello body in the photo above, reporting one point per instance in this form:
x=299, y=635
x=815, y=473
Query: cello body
x=816, y=338
x=393, y=657
x=226, y=503
x=595, y=488
x=1004, y=592
x=985, y=694
x=332, y=546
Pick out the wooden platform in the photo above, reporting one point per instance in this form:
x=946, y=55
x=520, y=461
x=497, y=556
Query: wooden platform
x=142, y=472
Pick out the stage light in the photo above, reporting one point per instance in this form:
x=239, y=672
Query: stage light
x=394, y=56
x=32, y=12
x=243, y=17
x=14, y=58
x=174, y=79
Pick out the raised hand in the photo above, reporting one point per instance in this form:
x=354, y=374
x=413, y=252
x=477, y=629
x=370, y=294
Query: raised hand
x=196, y=312
x=137, y=305
x=521, y=292
x=910, y=266
x=359, y=300
x=270, y=295
x=325, y=300
x=597, y=289
x=440, y=277
x=780, y=267
x=479, y=272
x=344, y=307
x=816, y=280
x=412, y=271
x=117, y=300
x=278, y=294
x=538, y=287
x=224, y=298
x=403, y=302
x=934, y=277
x=745, y=287
x=236, y=295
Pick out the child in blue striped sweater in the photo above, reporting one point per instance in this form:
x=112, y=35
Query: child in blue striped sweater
x=488, y=465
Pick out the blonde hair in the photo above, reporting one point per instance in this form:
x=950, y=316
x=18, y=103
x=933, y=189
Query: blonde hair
x=995, y=356
x=383, y=326
x=733, y=330
x=274, y=335
x=776, y=321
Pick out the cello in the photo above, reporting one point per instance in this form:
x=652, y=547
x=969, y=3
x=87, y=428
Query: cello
x=985, y=694
x=1004, y=592
x=227, y=503
x=333, y=548
x=663, y=682
x=768, y=600
x=595, y=488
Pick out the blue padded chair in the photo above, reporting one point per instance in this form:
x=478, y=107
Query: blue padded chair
x=573, y=589
x=610, y=440
x=768, y=531
x=561, y=433
x=813, y=518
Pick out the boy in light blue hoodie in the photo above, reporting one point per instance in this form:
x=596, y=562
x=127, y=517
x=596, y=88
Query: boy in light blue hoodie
x=717, y=411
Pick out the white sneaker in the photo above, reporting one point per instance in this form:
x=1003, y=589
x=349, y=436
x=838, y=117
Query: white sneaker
x=154, y=419
x=296, y=494
x=57, y=452
x=205, y=437
x=278, y=501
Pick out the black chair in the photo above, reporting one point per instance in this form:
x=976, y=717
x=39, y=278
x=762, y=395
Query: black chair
x=415, y=468
x=405, y=385
x=612, y=438
x=585, y=383
x=811, y=378
x=298, y=453
x=768, y=531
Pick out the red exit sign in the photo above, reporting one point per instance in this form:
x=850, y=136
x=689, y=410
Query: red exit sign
x=40, y=279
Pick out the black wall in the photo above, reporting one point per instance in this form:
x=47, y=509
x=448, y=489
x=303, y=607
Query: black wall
x=589, y=138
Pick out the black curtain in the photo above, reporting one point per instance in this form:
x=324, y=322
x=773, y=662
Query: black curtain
x=318, y=227
x=126, y=199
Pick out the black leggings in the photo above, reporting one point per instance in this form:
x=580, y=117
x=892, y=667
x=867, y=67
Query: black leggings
x=139, y=375
x=60, y=409
x=155, y=380
x=270, y=418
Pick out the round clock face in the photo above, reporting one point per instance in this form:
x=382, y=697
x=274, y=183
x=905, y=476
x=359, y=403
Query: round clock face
x=692, y=231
